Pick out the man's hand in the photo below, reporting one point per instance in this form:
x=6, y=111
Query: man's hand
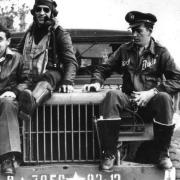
x=66, y=89
x=8, y=94
x=142, y=97
x=92, y=87
x=22, y=86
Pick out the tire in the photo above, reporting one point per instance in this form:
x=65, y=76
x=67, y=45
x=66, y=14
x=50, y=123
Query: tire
x=175, y=152
x=175, y=143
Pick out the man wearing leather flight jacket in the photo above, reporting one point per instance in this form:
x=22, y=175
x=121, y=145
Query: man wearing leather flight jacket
x=150, y=79
x=11, y=66
x=49, y=59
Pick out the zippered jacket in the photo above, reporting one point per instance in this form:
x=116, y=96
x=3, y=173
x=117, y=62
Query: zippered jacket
x=58, y=48
x=155, y=68
x=11, y=71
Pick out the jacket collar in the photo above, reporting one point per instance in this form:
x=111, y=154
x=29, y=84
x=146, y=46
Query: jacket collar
x=150, y=48
x=9, y=52
x=8, y=55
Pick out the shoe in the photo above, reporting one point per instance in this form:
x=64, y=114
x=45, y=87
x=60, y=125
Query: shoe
x=27, y=104
x=7, y=167
x=162, y=138
x=164, y=161
x=107, y=161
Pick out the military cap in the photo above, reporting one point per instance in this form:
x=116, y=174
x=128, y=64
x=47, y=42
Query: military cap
x=136, y=18
x=50, y=3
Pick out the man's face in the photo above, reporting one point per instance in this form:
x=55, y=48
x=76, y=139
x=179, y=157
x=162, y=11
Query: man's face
x=4, y=43
x=41, y=12
x=141, y=35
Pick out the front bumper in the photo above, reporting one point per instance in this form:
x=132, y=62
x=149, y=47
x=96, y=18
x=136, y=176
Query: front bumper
x=125, y=171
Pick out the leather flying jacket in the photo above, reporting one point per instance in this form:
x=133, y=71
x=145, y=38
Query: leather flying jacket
x=62, y=58
x=10, y=71
x=154, y=68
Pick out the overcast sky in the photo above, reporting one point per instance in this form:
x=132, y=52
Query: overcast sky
x=109, y=14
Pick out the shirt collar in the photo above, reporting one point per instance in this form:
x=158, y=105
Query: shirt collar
x=150, y=48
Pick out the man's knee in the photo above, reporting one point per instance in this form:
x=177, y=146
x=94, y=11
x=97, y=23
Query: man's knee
x=114, y=94
x=53, y=77
x=42, y=92
x=163, y=96
x=43, y=85
x=116, y=98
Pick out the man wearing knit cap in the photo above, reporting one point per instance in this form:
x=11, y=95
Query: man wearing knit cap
x=150, y=79
x=49, y=60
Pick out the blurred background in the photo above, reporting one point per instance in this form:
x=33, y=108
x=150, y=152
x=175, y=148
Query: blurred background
x=102, y=14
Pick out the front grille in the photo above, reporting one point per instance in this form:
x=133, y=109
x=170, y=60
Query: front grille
x=61, y=133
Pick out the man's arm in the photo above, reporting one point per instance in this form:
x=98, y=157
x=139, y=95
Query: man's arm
x=171, y=84
x=66, y=55
x=103, y=71
x=22, y=76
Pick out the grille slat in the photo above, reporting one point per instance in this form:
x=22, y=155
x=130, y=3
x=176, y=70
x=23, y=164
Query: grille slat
x=58, y=133
x=30, y=141
x=72, y=133
x=51, y=138
x=44, y=133
x=65, y=134
x=86, y=134
x=93, y=135
x=79, y=131
x=61, y=133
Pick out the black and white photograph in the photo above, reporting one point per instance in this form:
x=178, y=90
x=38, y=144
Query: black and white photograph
x=89, y=90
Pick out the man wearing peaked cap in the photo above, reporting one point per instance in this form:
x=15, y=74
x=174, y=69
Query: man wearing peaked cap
x=49, y=59
x=143, y=62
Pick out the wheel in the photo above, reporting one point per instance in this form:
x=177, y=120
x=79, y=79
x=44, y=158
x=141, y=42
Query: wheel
x=175, y=143
x=175, y=152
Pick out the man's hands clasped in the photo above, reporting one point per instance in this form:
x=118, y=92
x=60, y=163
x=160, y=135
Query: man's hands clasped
x=142, y=97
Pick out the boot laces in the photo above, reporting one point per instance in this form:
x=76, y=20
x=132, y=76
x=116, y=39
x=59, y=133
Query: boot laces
x=108, y=155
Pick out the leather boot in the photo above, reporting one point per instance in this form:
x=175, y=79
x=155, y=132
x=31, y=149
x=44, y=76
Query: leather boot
x=42, y=92
x=7, y=166
x=162, y=137
x=107, y=161
x=108, y=133
x=29, y=100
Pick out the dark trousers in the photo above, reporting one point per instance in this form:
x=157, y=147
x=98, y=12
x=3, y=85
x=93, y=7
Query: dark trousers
x=160, y=108
x=9, y=127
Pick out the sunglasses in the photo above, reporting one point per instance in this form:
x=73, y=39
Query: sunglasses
x=45, y=9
